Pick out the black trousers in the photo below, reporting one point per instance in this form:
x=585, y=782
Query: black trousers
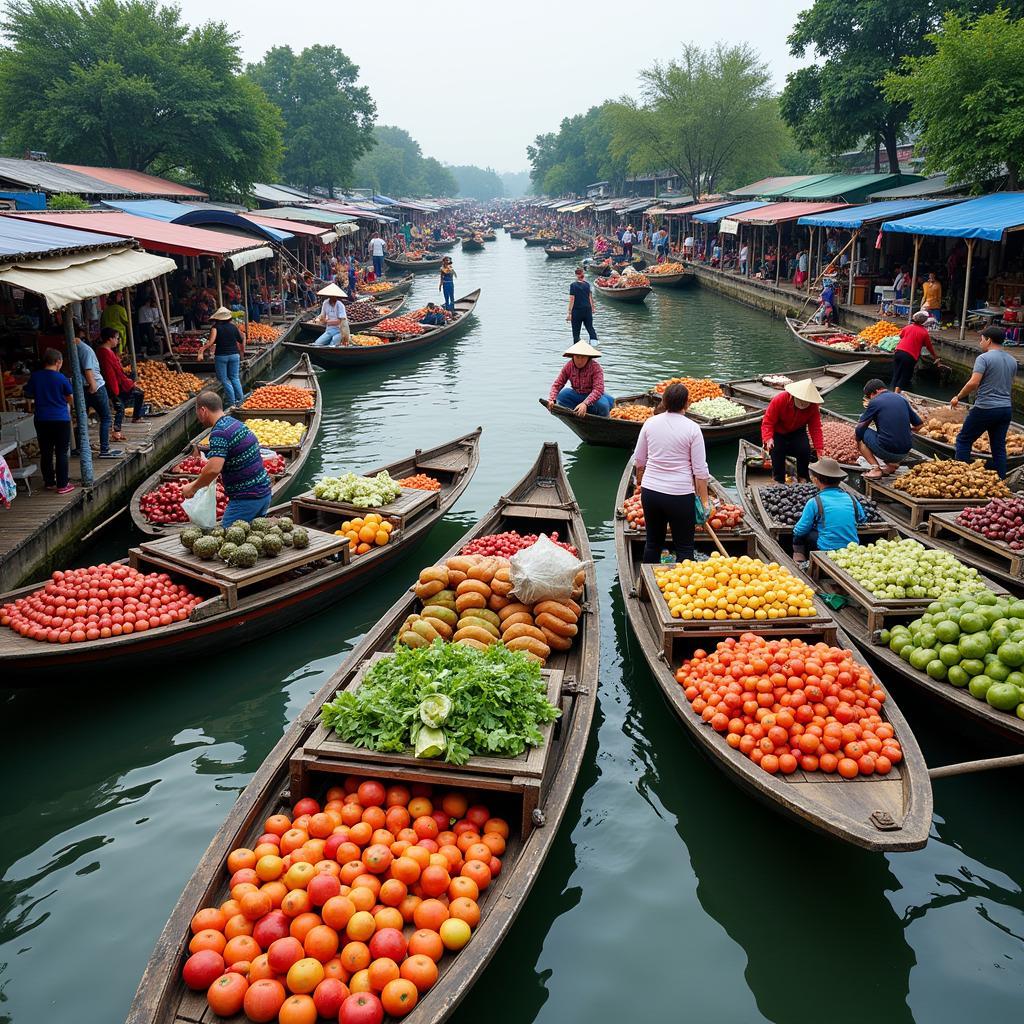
x=662, y=511
x=903, y=364
x=583, y=319
x=796, y=445
x=54, y=438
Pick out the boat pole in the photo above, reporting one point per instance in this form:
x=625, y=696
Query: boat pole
x=810, y=262
x=778, y=252
x=81, y=413
x=853, y=253
x=947, y=771
x=216, y=274
x=131, y=335
x=967, y=288
x=913, y=279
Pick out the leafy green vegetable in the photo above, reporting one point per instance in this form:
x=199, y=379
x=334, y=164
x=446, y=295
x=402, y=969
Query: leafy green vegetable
x=360, y=491
x=430, y=742
x=435, y=709
x=498, y=701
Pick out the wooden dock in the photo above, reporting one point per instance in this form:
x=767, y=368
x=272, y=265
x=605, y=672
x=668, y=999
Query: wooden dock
x=43, y=531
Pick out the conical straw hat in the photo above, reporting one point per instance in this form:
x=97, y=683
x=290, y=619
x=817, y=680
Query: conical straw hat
x=331, y=291
x=805, y=391
x=582, y=348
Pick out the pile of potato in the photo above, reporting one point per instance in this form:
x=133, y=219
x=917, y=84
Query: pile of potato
x=164, y=387
x=942, y=478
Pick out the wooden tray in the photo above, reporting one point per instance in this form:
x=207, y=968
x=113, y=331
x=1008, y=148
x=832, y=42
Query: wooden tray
x=777, y=529
x=945, y=522
x=917, y=509
x=409, y=503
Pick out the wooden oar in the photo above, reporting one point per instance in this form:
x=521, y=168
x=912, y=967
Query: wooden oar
x=711, y=533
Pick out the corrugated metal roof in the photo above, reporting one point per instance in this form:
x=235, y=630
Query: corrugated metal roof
x=195, y=215
x=987, y=218
x=687, y=211
x=23, y=238
x=848, y=187
x=853, y=217
x=273, y=194
x=936, y=185
x=780, y=213
x=714, y=216
x=51, y=178
x=308, y=214
x=138, y=182
x=295, y=227
x=779, y=185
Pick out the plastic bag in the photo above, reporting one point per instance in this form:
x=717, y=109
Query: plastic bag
x=544, y=572
x=700, y=512
x=201, y=508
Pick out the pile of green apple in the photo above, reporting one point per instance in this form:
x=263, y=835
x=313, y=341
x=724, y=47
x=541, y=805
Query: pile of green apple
x=905, y=568
x=970, y=640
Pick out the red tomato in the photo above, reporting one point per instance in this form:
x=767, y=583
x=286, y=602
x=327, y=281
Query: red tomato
x=202, y=969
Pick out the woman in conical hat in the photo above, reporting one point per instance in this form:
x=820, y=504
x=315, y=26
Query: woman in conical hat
x=580, y=383
x=791, y=415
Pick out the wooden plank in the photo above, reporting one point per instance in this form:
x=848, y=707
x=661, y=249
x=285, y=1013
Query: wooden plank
x=918, y=509
x=945, y=522
x=522, y=511
x=410, y=503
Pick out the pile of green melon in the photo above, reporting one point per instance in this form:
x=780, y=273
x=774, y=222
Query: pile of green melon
x=242, y=544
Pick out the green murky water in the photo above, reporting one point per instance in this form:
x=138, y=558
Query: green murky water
x=668, y=895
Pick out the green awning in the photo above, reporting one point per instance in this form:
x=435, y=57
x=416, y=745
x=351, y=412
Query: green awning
x=850, y=188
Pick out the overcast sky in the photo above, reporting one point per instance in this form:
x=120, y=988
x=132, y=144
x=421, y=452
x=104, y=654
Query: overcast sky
x=475, y=82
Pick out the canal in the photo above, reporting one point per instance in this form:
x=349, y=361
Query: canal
x=668, y=895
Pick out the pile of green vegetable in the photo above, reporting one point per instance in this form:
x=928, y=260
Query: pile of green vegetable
x=446, y=701
x=360, y=491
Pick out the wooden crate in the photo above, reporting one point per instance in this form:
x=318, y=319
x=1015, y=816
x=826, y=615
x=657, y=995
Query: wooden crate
x=227, y=590
x=169, y=553
x=409, y=504
x=779, y=530
x=999, y=550
x=915, y=510
x=325, y=751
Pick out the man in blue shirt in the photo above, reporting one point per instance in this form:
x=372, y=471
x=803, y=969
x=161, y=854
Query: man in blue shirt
x=829, y=520
x=886, y=444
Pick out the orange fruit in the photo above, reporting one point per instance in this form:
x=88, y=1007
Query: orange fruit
x=355, y=956
x=420, y=970
x=430, y=914
x=382, y=970
x=399, y=997
x=426, y=942
x=207, y=918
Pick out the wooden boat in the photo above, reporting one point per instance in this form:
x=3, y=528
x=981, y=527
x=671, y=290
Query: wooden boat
x=882, y=813
x=751, y=392
x=341, y=356
x=543, y=500
x=472, y=245
x=948, y=451
x=857, y=624
x=429, y=262
x=827, y=415
x=535, y=240
x=399, y=287
x=684, y=279
x=310, y=329
x=634, y=295
x=235, y=612
x=443, y=244
x=519, y=232
x=812, y=336
x=563, y=252
x=301, y=375
x=489, y=236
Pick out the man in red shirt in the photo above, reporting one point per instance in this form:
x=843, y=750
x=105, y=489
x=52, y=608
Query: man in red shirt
x=121, y=387
x=913, y=338
x=791, y=415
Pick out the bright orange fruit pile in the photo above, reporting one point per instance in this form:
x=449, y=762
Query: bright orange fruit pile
x=786, y=704
x=422, y=482
x=279, y=396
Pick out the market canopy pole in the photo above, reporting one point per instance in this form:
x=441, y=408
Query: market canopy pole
x=131, y=333
x=853, y=253
x=78, y=386
x=967, y=288
x=245, y=298
x=778, y=252
x=810, y=261
x=913, y=279
x=220, y=290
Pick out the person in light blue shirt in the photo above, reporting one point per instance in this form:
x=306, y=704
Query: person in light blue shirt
x=829, y=520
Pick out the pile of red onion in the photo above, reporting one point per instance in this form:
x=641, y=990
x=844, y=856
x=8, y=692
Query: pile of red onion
x=1001, y=519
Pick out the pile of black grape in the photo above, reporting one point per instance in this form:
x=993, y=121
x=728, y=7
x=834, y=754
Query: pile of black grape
x=786, y=503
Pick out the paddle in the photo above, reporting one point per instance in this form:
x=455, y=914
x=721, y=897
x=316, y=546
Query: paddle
x=706, y=523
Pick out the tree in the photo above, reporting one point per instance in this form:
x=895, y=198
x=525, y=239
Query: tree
x=66, y=201
x=437, y=179
x=480, y=183
x=967, y=98
x=838, y=102
x=328, y=118
x=577, y=155
x=396, y=165
x=126, y=84
x=707, y=117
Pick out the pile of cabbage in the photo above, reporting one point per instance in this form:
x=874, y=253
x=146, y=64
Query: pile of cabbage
x=359, y=491
x=717, y=409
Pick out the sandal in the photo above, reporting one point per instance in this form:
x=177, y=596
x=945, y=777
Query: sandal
x=874, y=474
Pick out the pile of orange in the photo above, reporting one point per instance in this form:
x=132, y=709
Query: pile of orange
x=633, y=413
x=699, y=387
x=372, y=531
x=259, y=332
x=787, y=704
x=879, y=330
x=421, y=481
x=319, y=906
x=279, y=396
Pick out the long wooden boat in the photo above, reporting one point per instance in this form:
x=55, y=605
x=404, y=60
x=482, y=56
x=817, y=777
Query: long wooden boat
x=472, y=245
x=429, y=262
x=312, y=329
x=853, y=619
x=923, y=404
x=301, y=375
x=233, y=614
x=443, y=244
x=489, y=236
x=634, y=295
x=535, y=240
x=339, y=357
x=519, y=232
x=399, y=287
x=752, y=392
x=882, y=813
x=812, y=337
x=542, y=500
x=684, y=279
x=563, y=252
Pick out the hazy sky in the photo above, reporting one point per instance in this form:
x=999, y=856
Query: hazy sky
x=475, y=82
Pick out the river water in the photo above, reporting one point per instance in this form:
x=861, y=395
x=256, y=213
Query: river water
x=668, y=895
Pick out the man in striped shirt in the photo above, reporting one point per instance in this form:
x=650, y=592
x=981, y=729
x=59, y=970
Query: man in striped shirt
x=234, y=456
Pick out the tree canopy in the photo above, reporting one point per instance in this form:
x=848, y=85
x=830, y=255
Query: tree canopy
x=328, y=117
x=480, y=183
x=709, y=117
x=396, y=166
x=126, y=84
x=967, y=98
x=577, y=155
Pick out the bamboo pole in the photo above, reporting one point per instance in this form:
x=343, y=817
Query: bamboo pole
x=245, y=298
x=216, y=274
x=985, y=764
x=853, y=251
x=131, y=333
x=810, y=262
x=913, y=278
x=81, y=413
x=778, y=253
x=967, y=288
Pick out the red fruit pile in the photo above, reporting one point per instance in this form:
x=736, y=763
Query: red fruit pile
x=162, y=505
x=193, y=465
x=274, y=464
x=724, y=517
x=507, y=544
x=344, y=911
x=400, y=325
x=188, y=345
x=96, y=603
x=840, y=441
x=1001, y=519
x=786, y=704
x=634, y=510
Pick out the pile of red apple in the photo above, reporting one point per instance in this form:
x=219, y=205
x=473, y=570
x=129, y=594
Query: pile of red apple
x=162, y=505
x=507, y=544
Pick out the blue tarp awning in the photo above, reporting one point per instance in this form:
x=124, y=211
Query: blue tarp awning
x=19, y=237
x=196, y=215
x=987, y=217
x=853, y=217
x=385, y=200
x=714, y=216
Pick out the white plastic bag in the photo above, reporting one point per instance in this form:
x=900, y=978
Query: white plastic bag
x=544, y=572
x=201, y=508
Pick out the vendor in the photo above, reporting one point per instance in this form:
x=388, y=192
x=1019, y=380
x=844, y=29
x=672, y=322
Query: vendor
x=581, y=307
x=115, y=315
x=886, y=444
x=829, y=520
x=334, y=317
x=434, y=316
x=234, y=456
x=905, y=358
x=932, y=302
x=790, y=416
x=121, y=389
x=580, y=383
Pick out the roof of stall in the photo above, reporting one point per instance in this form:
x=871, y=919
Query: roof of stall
x=293, y=227
x=714, y=216
x=195, y=215
x=988, y=218
x=340, y=222
x=774, y=187
x=781, y=213
x=23, y=239
x=139, y=182
x=936, y=185
x=53, y=178
x=850, y=188
x=692, y=208
x=370, y=212
x=276, y=194
x=853, y=217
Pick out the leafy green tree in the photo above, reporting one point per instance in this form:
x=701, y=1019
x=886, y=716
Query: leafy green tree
x=838, y=102
x=480, y=183
x=578, y=154
x=66, y=201
x=127, y=84
x=328, y=117
x=515, y=183
x=708, y=117
x=437, y=179
x=967, y=98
